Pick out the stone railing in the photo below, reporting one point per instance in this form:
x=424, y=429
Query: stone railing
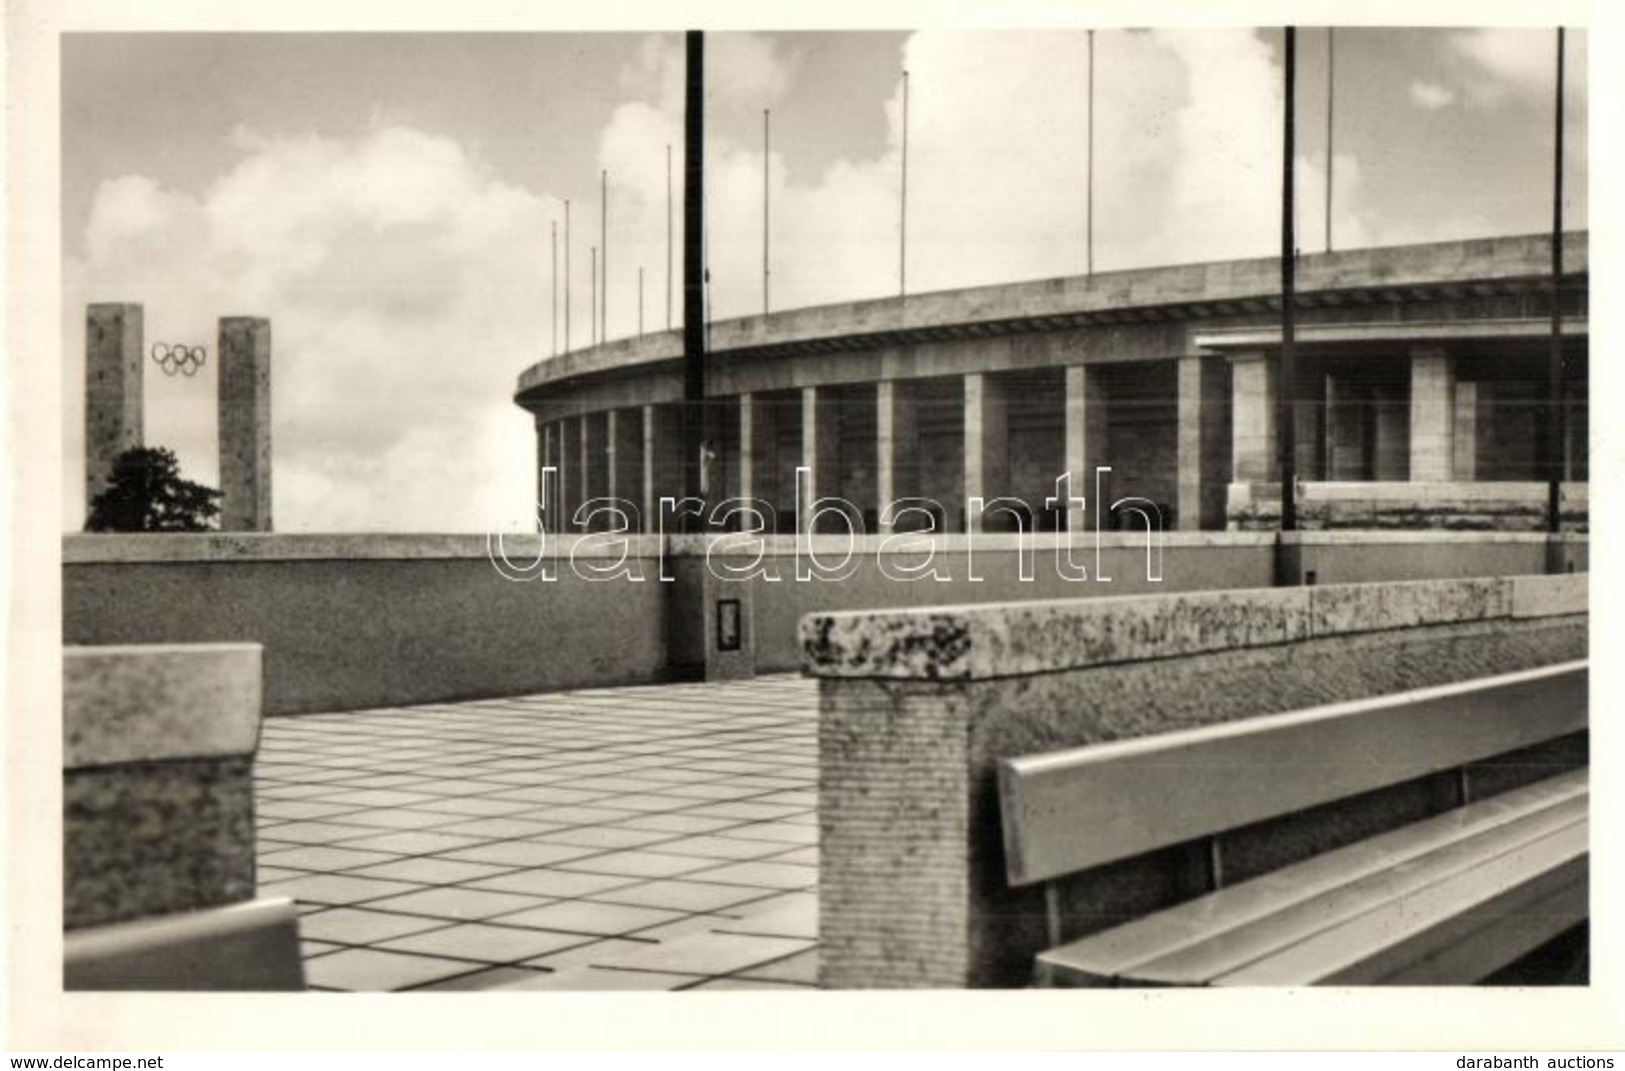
x=917, y=707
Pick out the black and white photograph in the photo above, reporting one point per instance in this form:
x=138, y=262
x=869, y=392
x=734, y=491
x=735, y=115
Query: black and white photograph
x=1075, y=508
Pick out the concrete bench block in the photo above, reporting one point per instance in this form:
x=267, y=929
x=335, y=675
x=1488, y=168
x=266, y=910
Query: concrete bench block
x=158, y=779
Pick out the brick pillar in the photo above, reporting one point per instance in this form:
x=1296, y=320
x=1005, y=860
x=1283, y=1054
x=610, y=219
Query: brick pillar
x=1252, y=431
x=897, y=445
x=1085, y=436
x=113, y=368
x=245, y=424
x=1202, y=468
x=1433, y=407
x=987, y=442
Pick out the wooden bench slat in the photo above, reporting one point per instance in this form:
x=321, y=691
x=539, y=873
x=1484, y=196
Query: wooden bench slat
x=1223, y=922
x=1523, y=883
x=1503, y=939
x=1232, y=950
x=1152, y=792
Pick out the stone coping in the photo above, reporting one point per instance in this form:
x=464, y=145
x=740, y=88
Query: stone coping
x=159, y=702
x=1509, y=256
x=522, y=548
x=967, y=643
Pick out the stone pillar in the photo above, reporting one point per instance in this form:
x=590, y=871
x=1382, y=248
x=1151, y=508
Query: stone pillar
x=245, y=424
x=595, y=461
x=567, y=444
x=1465, y=451
x=1392, y=434
x=113, y=368
x=544, y=458
x=1085, y=436
x=1252, y=429
x=626, y=459
x=1202, y=468
x=897, y=446
x=987, y=440
x=1345, y=433
x=1433, y=407
x=662, y=460
x=820, y=446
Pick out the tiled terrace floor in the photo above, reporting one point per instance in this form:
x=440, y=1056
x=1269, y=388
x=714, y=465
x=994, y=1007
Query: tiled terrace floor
x=658, y=837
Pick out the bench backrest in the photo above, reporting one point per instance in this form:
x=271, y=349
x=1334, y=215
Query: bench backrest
x=1070, y=810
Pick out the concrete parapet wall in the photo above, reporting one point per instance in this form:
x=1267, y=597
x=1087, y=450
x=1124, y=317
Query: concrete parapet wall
x=917, y=708
x=158, y=749
x=357, y=621
x=377, y=620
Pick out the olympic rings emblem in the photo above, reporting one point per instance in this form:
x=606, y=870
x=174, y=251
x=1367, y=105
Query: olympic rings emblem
x=184, y=359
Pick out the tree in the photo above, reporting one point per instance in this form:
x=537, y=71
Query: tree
x=146, y=494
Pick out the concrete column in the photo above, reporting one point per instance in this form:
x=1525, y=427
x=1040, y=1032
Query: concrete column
x=544, y=458
x=1392, y=432
x=749, y=455
x=1085, y=436
x=596, y=456
x=567, y=443
x=987, y=441
x=662, y=459
x=245, y=424
x=583, y=465
x=1345, y=432
x=113, y=368
x=1465, y=449
x=626, y=457
x=897, y=446
x=820, y=445
x=1433, y=409
x=1309, y=421
x=1203, y=471
x=1252, y=430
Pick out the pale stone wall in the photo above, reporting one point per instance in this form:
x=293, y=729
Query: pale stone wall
x=916, y=709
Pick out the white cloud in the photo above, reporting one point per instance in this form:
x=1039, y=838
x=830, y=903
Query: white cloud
x=408, y=286
x=1431, y=95
x=1525, y=59
x=1505, y=63
x=402, y=283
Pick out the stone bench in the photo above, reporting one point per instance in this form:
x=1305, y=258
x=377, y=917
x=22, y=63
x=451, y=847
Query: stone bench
x=158, y=823
x=918, y=708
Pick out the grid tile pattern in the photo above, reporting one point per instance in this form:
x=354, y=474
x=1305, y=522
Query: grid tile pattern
x=660, y=837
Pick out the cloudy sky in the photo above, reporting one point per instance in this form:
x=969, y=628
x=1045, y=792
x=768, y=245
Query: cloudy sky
x=388, y=201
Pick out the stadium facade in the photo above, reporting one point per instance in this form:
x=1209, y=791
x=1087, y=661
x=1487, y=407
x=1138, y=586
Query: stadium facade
x=1420, y=375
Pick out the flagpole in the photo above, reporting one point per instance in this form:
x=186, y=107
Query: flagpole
x=765, y=270
x=567, y=275
x=1330, y=61
x=1554, y=361
x=1089, y=234
x=902, y=227
x=554, y=286
x=1286, y=392
x=603, y=260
